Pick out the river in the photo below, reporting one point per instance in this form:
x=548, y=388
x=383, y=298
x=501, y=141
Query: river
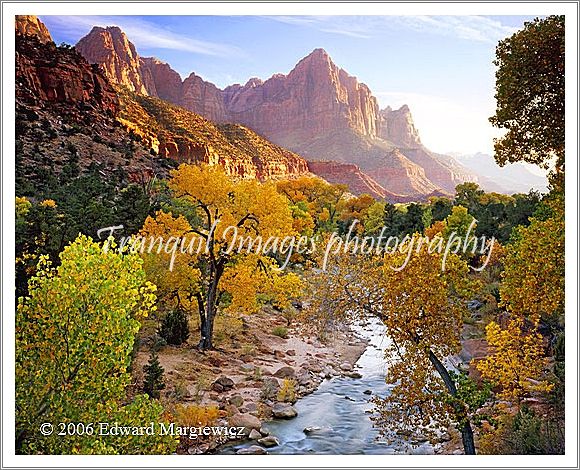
x=341, y=411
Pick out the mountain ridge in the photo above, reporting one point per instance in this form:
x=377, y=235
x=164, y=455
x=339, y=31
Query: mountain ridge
x=69, y=113
x=297, y=110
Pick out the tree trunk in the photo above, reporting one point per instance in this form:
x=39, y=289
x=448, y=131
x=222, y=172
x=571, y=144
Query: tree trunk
x=205, y=333
x=465, y=425
x=467, y=438
x=207, y=319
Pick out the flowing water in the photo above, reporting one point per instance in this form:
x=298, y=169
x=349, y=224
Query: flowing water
x=341, y=411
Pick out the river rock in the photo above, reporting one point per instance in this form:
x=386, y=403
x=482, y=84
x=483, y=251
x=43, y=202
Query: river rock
x=311, y=429
x=284, y=411
x=245, y=420
x=304, y=378
x=252, y=450
x=231, y=409
x=271, y=383
x=269, y=441
x=313, y=366
x=197, y=450
x=291, y=352
x=345, y=366
x=285, y=372
x=264, y=431
x=223, y=384
x=354, y=375
x=368, y=392
x=250, y=407
x=236, y=400
x=247, y=368
x=255, y=435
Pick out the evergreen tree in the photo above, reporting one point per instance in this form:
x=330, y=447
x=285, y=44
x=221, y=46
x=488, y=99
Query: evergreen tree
x=153, y=383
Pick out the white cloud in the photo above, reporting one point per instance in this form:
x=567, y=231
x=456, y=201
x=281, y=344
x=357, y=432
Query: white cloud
x=471, y=28
x=142, y=33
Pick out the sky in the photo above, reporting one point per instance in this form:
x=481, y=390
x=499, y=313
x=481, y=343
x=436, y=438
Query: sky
x=441, y=66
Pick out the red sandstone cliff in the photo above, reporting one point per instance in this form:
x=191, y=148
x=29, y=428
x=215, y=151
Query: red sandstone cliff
x=316, y=96
x=110, y=48
x=66, y=106
x=358, y=182
x=29, y=25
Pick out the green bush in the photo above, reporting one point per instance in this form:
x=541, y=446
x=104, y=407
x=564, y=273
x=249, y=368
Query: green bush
x=153, y=383
x=526, y=433
x=174, y=327
x=280, y=331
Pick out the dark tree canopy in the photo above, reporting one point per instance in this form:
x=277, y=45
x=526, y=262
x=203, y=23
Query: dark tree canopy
x=530, y=94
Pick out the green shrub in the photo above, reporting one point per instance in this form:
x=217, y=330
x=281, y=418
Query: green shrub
x=174, y=327
x=280, y=331
x=524, y=434
x=153, y=383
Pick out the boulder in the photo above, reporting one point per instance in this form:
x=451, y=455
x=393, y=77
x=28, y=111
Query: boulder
x=236, y=400
x=284, y=411
x=285, y=372
x=311, y=429
x=269, y=441
x=223, y=384
x=252, y=450
x=255, y=435
x=245, y=420
x=250, y=407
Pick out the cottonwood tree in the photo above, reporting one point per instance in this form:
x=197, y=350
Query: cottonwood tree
x=422, y=308
x=530, y=94
x=534, y=267
x=234, y=218
x=532, y=291
x=74, y=336
x=517, y=362
x=320, y=198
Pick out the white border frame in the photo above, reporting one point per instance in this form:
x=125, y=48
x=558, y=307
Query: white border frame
x=570, y=9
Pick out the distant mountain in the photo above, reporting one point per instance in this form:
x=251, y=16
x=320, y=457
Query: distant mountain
x=317, y=110
x=511, y=178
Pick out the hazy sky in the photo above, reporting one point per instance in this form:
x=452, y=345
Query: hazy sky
x=441, y=66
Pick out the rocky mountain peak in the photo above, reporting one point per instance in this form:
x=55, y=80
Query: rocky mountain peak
x=318, y=54
x=30, y=25
x=253, y=82
x=111, y=48
x=397, y=126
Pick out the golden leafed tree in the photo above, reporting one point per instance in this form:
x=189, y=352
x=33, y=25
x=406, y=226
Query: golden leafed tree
x=236, y=228
x=422, y=307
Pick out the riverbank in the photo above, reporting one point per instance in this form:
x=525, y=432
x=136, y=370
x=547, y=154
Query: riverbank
x=243, y=378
